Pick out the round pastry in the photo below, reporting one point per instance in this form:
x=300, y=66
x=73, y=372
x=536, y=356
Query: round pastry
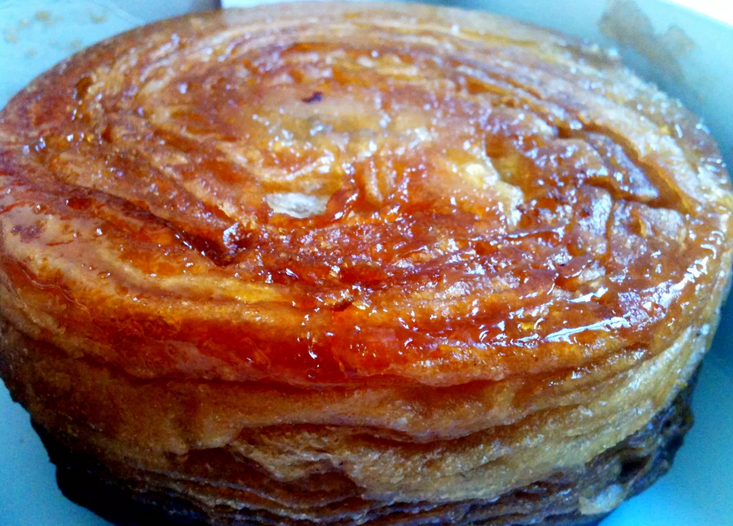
x=356, y=264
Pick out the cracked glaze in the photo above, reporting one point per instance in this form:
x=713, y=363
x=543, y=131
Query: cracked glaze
x=320, y=198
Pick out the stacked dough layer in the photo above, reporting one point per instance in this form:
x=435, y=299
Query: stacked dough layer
x=337, y=262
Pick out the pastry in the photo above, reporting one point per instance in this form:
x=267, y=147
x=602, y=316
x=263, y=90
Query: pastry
x=356, y=263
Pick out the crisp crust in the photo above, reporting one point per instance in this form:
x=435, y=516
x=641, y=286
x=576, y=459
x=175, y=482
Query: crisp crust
x=576, y=498
x=384, y=254
x=158, y=425
x=483, y=200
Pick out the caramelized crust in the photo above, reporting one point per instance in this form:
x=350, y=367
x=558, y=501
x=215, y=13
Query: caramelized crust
x=345, y=193
x=175, y=426
x=361, y=254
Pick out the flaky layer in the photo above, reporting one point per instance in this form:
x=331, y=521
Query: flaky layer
x=152, y=424
x=354, y=258
x=351, y=194
x=572, y=498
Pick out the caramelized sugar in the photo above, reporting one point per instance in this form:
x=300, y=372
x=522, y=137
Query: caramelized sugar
x=323, y=200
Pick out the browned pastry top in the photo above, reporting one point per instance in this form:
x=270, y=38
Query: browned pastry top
x=320, y=194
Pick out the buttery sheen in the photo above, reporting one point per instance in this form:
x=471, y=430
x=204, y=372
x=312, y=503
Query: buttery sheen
x=292, y=225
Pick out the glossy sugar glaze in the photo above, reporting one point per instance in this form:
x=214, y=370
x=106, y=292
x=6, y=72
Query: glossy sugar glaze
x=383, y=196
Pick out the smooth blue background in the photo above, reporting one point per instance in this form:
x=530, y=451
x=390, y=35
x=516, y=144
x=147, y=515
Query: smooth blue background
x=698, y=491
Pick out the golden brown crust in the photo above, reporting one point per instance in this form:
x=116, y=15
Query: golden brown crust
x=490, y=200
x=436, y=255
x=573, y=498
x=156, y=425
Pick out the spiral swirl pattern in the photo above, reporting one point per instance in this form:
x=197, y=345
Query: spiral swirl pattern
x=440, y=254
